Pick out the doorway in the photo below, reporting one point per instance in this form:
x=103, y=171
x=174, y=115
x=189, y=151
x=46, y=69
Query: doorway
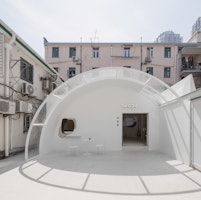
x=134, y=130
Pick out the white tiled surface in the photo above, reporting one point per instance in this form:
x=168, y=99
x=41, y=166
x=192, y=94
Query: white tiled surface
x=131, y=174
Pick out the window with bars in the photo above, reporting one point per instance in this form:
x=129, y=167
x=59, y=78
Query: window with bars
x=55, y=52
x=27, y=122
x=26, y=71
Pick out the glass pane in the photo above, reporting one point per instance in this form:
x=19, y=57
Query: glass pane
x=42, y=115
x=154, y=83
x=33, y=148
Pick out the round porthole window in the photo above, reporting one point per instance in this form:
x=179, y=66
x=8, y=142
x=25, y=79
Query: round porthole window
x=67, y=127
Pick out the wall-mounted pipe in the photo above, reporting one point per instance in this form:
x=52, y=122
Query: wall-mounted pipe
x=6, y=93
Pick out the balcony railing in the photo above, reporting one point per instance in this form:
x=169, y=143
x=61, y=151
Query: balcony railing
x=147, y=59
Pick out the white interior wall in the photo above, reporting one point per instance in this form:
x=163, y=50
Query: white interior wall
x=174, y=137
x=97, y=109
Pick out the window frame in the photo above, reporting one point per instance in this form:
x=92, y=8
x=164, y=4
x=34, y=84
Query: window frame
x=26, y=122
x=26, y=71
x=96, y=52
x=56, y=69
x=72, y=52
x=55, y=52
x=167, y=72
x=167, y=52
x=70, y=70
x=150, y=52
x=127, y=52
x=150, y=69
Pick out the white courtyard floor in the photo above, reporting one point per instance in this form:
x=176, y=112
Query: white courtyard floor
x=133, y=173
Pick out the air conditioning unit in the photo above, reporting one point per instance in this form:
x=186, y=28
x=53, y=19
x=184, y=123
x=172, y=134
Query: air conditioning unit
x=7, y=107
x=27, y=89
x=23, y=107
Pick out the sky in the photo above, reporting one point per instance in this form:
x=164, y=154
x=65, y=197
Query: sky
x=98, y=20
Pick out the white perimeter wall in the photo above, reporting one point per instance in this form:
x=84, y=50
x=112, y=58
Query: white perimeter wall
x=174, y=137
x=97, y=109
x=196, y=133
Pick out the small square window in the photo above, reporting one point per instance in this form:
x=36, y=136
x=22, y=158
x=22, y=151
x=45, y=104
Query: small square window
x=71, y=72
x=55, y=52
x=72, y=52
x=56, y=69
x=150, y=70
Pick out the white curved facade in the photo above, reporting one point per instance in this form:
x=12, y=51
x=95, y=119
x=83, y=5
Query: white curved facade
x=96, y=100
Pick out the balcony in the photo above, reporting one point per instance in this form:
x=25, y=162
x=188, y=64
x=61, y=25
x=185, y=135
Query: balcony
x=147, y=60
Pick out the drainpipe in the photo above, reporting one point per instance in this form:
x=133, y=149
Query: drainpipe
x=6, y=92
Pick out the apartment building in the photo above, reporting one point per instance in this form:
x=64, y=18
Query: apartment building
x=157, y=59
x=25, y=80
x=169, y=37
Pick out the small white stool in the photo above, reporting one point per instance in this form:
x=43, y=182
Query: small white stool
x=99, y=148
x=73, y=149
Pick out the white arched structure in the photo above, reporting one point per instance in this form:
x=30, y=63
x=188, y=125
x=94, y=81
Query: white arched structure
x=96, y=101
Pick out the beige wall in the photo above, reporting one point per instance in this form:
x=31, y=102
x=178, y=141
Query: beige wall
x=16, y=135
x=111, y=54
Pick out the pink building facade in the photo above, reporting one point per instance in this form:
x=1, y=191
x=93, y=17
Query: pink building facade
x=163, y=60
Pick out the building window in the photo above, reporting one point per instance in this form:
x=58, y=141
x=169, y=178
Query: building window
x=150, y=52
x=56, y=69
x=167, y=72
x=167, y=52
x=71, y=72
x=55, y=52
x=26, y=71
x=150, y=70
x=126, y=52
x=72, y=52
x=127, y=66
x=95, y=52
x=27, y=122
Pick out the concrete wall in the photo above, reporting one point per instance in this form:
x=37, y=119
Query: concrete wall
x=174, y=137
x=98, y=111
